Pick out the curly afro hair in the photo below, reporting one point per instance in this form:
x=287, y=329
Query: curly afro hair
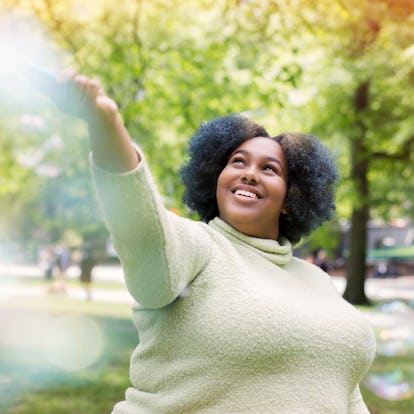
x=312, y=182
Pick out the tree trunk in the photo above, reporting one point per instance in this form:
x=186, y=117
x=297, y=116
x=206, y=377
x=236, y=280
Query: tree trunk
x=356, y=266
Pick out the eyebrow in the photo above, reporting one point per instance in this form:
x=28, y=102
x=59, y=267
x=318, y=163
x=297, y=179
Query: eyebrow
x=267, y=158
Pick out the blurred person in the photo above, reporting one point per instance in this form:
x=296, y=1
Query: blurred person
x=87, y=264
x=229, y=321
x=310, y=258
x=47, y=262
x=63, y=261
x=322, y=261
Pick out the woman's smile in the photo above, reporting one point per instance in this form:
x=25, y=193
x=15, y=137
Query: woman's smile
x=246, y=192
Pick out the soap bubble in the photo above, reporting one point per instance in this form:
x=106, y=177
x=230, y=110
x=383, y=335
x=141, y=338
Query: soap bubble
x=390, y=385
x=395, y=306
x=396, y=341
x=394, y=325
x=393, y=322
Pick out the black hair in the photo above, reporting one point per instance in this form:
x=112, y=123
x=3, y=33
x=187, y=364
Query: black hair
x=312, y=181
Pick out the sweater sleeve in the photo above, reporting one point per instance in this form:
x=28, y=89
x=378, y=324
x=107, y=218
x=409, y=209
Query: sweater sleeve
x=160, y=252
x=356, y=402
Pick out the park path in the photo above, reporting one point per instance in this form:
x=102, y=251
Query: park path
x=11, y=286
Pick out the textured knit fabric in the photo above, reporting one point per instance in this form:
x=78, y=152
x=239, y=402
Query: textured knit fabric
x=228, y=323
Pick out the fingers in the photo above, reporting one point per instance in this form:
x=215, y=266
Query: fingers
x=92, y=88
x=73, y=93
x=94, y=96
x=106, y=104
x=78, y=94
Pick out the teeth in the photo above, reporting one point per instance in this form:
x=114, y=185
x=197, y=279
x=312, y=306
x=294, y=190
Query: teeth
x=246, y=193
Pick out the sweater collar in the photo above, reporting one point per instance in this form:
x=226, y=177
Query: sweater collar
x=278, y=252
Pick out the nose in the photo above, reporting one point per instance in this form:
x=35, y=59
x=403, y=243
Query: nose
x=249, y=176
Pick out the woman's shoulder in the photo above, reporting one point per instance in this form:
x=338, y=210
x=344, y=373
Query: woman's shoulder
x=309, y=268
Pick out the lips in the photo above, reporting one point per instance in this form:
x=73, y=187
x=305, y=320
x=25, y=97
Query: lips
x=246, y=194
x=247, y=191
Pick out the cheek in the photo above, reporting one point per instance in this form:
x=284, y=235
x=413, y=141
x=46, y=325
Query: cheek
x=219, y=190
x=279, y=192
x=222, y=180
x=284, y=191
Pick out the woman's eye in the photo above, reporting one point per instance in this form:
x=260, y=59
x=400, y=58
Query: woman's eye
x=270, y=168
x=238, y=161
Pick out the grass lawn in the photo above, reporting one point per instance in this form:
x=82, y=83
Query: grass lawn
x=33, y=383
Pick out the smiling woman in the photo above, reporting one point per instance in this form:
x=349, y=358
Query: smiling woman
x=228, y=320
x=307, y=165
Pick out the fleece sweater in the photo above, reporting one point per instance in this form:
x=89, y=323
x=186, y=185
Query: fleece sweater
x=228, y=323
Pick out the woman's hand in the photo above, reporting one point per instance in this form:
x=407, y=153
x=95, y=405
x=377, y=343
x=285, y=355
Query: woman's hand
x=79, y=96
x=74, y=94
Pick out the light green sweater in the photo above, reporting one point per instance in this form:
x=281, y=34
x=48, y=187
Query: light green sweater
x=228, y=323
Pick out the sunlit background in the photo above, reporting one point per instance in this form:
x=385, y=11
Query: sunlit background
x=341, y=69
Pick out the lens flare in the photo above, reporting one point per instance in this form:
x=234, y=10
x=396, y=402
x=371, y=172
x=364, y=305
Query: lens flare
x=73, y=342
x=25, y=48
x=70, y=342
x=20, y=330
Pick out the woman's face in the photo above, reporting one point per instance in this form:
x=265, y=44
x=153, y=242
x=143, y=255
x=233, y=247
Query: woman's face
x=252, y=187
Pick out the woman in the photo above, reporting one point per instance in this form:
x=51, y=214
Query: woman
x=228, y=320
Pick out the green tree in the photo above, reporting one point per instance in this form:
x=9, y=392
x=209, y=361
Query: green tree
x=366, y=104
x=166, y=80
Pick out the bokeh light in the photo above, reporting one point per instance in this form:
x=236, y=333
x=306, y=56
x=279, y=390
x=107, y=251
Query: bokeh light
x=69, y=342
x=33, y=158
x=393, y=322
x=73, y=342
x=40, y=349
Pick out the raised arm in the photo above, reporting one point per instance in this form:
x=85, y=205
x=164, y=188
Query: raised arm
x=84, y=98
x=161, y=253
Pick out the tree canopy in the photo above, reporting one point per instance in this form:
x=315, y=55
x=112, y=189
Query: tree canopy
x=341, y=69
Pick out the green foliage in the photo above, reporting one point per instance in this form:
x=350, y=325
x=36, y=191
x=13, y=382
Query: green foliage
x=165, y=80
x=290, y=66
x=328, y=237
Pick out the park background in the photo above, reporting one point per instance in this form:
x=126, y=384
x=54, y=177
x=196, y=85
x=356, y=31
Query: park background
x=340, y=69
